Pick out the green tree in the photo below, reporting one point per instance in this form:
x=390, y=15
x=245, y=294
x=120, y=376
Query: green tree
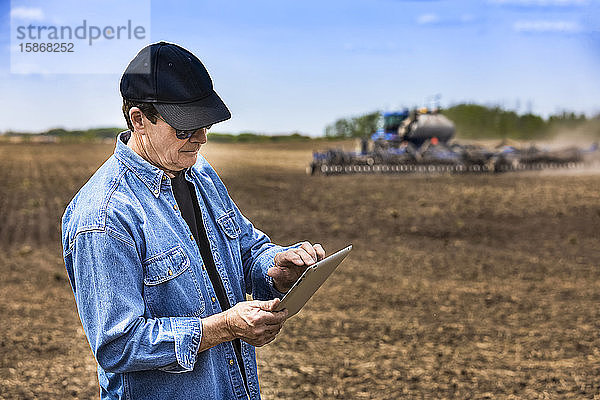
x=343, y=128
x=365, y=125
x=360, y=126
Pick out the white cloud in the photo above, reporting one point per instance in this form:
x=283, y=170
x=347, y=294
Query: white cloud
x=541, y=26
x=445, y=21
x=428, y=19
x=36, y=14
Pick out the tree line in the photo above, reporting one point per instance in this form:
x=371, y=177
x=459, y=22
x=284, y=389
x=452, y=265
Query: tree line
x=96, y=134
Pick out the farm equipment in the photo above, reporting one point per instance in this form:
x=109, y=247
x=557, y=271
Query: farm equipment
x=419, y=141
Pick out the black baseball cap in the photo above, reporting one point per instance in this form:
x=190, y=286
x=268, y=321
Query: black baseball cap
x=176, y=82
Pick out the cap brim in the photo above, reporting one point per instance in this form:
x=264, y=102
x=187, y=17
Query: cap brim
x=194, y=115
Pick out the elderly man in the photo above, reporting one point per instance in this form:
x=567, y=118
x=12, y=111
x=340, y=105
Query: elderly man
x=159, y=257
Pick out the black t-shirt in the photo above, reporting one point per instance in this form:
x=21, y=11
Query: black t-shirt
x=185, y=196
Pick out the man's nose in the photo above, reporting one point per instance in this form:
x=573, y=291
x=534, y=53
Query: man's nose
x=199, y=136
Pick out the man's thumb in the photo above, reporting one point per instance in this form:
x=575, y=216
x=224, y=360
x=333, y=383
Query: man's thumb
x=269, y=305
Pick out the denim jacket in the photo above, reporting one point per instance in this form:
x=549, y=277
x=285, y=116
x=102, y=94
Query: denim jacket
x=141, y=288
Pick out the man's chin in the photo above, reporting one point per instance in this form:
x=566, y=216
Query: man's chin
x=188, y=158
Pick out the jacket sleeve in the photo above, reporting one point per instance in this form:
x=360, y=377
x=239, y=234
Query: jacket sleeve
x=107, y=279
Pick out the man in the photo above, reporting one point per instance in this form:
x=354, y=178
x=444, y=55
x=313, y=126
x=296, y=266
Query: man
x=160, y=258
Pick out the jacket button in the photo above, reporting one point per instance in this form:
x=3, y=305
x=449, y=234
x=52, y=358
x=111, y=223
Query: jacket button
x=170, y=272
x=213, y=299
x=191, y=237
x=175, y=207
x=231, y=361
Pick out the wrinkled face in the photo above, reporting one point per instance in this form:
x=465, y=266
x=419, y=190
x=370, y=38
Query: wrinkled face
x=158, y=144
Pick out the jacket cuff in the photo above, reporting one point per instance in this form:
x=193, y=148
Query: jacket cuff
x=187, y=333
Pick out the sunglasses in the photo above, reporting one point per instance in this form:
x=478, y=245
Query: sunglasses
x=184, y=133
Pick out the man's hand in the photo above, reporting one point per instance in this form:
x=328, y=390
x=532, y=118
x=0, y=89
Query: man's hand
x=255, y=322
x=290, y=264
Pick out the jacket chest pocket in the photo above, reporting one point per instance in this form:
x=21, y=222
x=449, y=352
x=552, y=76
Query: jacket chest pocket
x=170, y=286
x=228, y=225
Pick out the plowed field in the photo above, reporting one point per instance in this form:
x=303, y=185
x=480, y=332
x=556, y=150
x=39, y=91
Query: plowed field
x=458, y=286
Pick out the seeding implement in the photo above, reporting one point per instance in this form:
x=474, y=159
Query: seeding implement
x=420, y=142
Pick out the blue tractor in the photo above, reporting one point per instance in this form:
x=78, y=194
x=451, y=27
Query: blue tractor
x=420, y=141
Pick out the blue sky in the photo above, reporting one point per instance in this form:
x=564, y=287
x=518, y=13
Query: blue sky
x=284, y=66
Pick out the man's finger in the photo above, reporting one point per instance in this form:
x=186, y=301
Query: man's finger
x=268, y=305
x=281, y=315
x=272, y=318
x=273, y=330
x=306, y=246
x=307, y=259
x=288, y=258
x=319, y=250
x=271, y=305
x=267, y=318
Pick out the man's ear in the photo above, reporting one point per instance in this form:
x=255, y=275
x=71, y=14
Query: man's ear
x=137, y=119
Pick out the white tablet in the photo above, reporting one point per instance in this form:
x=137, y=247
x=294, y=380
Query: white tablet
x=310, y=281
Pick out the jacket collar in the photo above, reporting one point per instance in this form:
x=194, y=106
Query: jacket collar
x=150, y=175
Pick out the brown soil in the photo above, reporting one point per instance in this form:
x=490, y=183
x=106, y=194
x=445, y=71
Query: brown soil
x=457, y=287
